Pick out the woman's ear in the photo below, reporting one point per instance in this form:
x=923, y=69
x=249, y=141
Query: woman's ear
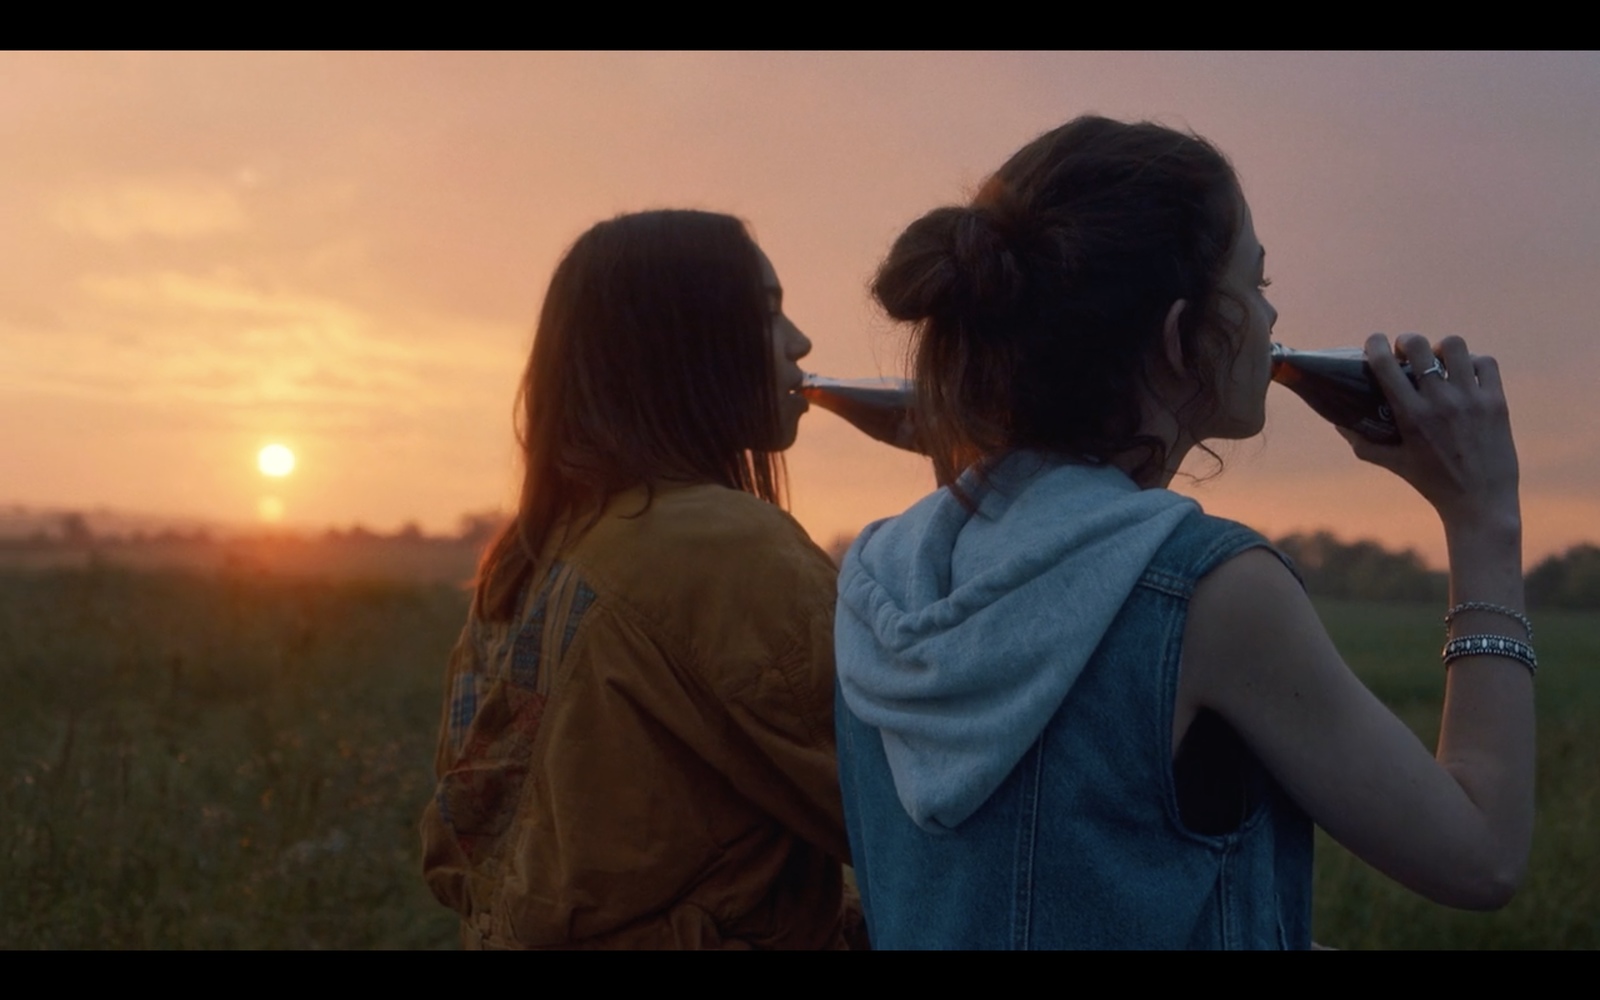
x=1171, y=342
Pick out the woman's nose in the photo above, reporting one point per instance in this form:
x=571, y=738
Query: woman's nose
x=798, y=343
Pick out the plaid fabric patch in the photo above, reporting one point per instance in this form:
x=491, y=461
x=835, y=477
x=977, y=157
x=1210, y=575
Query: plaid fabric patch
x=494, y=719
x=464, y=695
x=470, y=687
x=581, y=599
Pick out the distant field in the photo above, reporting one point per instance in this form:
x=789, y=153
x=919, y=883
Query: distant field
x=1395, y=650
x=359, y=557
x=238, y=760
x=227, y=762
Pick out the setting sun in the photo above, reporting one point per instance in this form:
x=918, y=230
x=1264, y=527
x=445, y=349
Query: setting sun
x=275, y=460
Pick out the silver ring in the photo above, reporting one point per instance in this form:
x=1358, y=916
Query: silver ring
x=1434, y=369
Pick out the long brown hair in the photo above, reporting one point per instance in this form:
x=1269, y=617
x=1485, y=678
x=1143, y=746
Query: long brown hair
x=1038, y=306
x=652, y=363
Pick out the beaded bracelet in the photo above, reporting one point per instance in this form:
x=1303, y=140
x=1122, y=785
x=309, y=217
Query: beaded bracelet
x=1490, y=645
x=1498, y=609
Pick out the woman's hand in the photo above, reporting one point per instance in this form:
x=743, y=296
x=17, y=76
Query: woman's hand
x=1458, y=827
x=1455, y=430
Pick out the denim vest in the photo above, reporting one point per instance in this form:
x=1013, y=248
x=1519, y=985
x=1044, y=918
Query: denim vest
x=1082, y=845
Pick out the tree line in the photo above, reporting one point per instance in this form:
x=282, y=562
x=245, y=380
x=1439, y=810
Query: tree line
x=1365, y=570
x=1362, y=570
x=1368, y=571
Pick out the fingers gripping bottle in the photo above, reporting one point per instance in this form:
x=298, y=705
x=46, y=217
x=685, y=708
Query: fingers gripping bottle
x=1339, y=385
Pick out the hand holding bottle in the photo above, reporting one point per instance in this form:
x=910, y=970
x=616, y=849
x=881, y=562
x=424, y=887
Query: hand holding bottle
x=1455, y=443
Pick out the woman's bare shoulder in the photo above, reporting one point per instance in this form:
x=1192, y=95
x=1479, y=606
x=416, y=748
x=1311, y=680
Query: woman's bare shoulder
x=1256, y=653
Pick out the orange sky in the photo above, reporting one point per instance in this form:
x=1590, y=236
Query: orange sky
x=346, y=253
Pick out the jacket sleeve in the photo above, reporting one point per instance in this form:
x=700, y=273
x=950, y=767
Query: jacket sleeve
x=776, y=691
x=445, y=867
x=692, y=738
x=681, y=771
x=573, y=819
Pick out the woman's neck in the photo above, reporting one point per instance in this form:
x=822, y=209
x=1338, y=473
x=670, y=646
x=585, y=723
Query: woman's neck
x=1159, y=422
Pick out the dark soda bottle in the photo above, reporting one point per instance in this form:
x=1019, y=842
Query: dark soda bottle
x=878, y=407
x=1339, y=385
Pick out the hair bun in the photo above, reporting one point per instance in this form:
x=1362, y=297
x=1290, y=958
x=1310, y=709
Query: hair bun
x=957, y=263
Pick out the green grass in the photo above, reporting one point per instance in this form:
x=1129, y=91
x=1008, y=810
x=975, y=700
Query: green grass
x=239, y=761
x=1394, y=648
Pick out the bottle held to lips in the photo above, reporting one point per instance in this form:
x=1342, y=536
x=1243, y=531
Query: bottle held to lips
x=1339, y=385
x=878, y=407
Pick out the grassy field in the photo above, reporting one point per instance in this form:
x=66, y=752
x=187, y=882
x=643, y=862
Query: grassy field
x=233, y=762
x=1395, y=650
x=239, y=761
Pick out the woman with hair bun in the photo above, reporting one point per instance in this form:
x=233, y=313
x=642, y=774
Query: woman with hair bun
x=1075, y=711
x=637, y=743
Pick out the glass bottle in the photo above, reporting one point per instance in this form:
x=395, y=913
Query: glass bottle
x=1339, y=385
x=878, y=407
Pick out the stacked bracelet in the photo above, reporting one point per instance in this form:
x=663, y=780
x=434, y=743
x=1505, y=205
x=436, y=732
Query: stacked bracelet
x=1490, y=645
x=1498, y=609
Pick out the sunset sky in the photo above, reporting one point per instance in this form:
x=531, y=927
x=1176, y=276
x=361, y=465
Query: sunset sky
x=345, y=254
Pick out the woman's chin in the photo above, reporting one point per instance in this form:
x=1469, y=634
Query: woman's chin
x=794, y=407
x=787, y=433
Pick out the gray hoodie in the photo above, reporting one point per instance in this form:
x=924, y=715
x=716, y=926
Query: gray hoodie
x=959, y=633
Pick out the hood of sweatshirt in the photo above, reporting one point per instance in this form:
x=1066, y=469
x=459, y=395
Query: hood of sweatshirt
x=959, y=632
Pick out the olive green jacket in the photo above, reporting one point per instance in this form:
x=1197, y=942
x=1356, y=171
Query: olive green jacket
x=645, y=757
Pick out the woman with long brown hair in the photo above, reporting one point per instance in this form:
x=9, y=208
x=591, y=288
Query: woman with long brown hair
x=1076, y=711
x=637, y=744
